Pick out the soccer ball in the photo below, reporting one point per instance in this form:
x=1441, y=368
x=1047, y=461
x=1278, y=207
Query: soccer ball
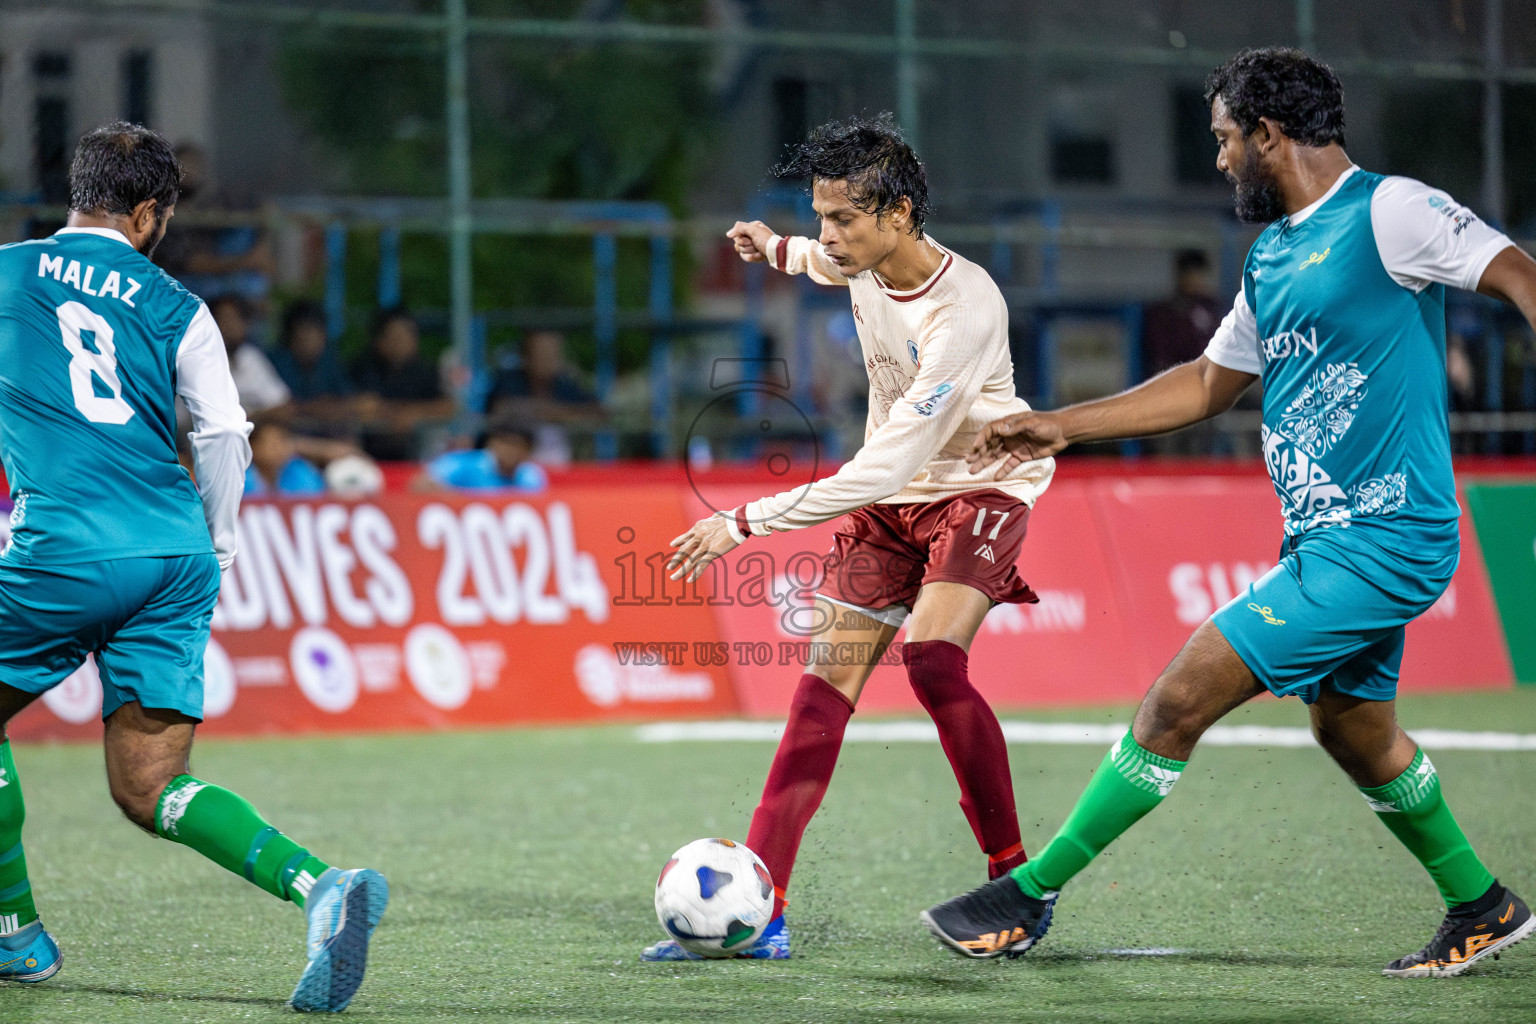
x=714, y=897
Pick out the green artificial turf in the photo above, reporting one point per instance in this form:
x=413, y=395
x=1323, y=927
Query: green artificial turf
x=522, y=864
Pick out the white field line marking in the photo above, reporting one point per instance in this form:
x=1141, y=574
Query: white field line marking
x=1067, y=733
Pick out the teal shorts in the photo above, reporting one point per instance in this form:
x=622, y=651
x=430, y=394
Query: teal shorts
x=1331, y=615
x=145, y=619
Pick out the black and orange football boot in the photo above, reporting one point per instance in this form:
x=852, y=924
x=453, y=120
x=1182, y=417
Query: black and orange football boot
x=1467, y=935
x=997, y=919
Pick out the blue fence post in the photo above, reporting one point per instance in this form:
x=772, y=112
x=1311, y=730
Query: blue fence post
x=1002, y=254
x=605, y=311
x=750, y=338
x=335, y=279
x=1045, y=360
x=1051, y=216
x=477, y=388
x=389, y=267
x=661, y=346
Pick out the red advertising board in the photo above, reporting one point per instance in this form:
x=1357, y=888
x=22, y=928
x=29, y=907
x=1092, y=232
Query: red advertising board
x=411, y=612
x=428, y=612
x=1183, y=547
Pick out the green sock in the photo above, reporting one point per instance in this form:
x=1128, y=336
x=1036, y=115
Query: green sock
x=16, y=909
x=1414, y=809
x=226, y=829
x=1129, y=783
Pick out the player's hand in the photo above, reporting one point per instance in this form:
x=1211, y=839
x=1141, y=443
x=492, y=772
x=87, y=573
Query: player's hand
x=705, y=541
x=751, y=240
x=1015, y=440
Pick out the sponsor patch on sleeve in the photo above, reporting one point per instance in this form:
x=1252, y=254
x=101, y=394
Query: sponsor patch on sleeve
x=928, y=405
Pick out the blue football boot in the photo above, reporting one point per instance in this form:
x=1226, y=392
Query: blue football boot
x=343, y=909
x=773, y=944
x=29, y=955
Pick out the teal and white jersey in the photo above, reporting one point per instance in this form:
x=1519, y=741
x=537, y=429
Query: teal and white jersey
x=1342, y=312
x=96, y=342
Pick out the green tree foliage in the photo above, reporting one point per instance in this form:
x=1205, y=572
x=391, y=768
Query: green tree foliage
x=548, y=120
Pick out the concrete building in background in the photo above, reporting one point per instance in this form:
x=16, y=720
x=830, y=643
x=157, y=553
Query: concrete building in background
x=63, y=71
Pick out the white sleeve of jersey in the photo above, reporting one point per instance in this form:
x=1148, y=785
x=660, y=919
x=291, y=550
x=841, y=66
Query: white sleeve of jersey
x=1235, y=344
x=796, y=255
x=220, y=451
x=1425, y=237
x=955, y=344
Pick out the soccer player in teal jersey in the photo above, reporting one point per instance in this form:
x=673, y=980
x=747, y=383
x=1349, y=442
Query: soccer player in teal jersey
x=1342, y=313
x=116, y=553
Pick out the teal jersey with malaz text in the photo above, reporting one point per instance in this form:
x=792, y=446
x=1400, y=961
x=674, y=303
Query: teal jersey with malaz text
x=89, y=331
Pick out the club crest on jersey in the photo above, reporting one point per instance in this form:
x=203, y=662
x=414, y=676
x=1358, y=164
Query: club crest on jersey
x=927, y=406
x=912, y=351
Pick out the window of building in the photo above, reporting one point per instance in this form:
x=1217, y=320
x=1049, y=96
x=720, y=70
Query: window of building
x=1082, y=159
x=1194, y=147
x=137, y=68
x=50, y=125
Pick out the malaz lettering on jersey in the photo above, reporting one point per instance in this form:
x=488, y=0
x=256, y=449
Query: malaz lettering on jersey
x=113, y=285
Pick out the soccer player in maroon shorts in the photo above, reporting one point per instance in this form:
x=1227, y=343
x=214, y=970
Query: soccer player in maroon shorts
x=920, y=537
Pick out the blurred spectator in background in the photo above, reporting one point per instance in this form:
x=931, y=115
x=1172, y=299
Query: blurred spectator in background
x=284, y=464
x=542, y=389
x=211, y=259
x=277, y=468
x=502, y=459
x=262, y=391
x=308, y=365
x=1178, y=330
x=400, y=391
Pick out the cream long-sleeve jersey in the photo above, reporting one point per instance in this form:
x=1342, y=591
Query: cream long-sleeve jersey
x=939, y=371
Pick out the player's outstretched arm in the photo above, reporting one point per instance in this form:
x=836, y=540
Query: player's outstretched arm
x=1511, y=276
x=756, y=242
x=1183, y=395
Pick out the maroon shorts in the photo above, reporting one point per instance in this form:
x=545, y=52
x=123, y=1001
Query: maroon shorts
x=883, y=554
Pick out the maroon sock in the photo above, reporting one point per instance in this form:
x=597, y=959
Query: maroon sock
x=802, y=767
x=973, y=742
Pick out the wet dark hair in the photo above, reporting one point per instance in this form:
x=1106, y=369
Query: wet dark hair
x=297, y=315
x=872, y=157
x=118, y=166
x=1301, y=93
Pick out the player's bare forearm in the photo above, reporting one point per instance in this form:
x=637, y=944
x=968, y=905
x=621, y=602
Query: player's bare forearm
x=1183, y=395
x=1512, y=277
